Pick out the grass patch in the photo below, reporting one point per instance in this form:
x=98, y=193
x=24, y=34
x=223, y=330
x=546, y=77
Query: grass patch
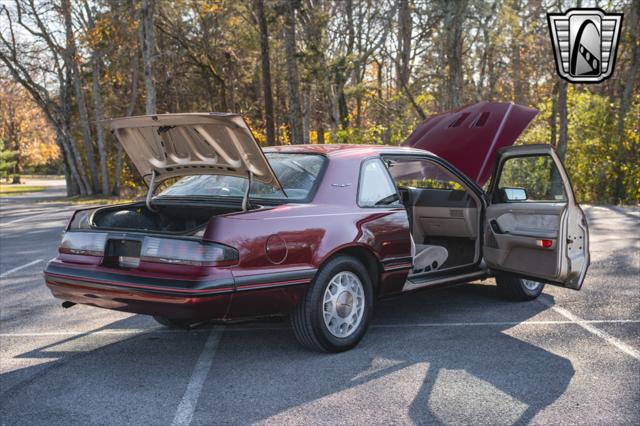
x=9, y=190
x=78, y=200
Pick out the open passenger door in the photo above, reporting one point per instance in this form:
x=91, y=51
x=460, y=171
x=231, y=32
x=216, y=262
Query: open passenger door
x=533, y=226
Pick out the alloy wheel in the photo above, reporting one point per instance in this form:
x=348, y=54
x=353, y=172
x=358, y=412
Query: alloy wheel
x=343, y=304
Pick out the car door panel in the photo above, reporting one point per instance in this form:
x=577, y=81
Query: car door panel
x=546, y=240
x=537, y=221
x=516, y=247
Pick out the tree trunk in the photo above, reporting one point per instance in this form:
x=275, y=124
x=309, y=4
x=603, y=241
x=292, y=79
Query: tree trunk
x=97, y=107
x=518, y=78
x=72, y=64
x=404, y=44
x=334, y=113
x=306, y=115
x=563, y=137
x=266, y=73
x=320, y=131
x=67, y=134
x=486, y=52
x=453, y=22
x=295, y=114
x=147, y=45
x=96, y=58
x=130, y=108
x=625, y=103
x=72, y=179
x=553, y=120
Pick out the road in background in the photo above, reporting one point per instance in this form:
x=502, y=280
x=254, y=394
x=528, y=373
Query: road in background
x=460, y=355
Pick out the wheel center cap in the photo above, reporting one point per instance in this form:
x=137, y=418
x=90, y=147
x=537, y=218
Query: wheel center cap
x=344, y=304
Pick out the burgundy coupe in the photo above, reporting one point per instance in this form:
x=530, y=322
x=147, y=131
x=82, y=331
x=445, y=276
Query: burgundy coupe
x=320, y=232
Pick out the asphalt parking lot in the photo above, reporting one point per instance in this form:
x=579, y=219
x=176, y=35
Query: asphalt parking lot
x=455, y=356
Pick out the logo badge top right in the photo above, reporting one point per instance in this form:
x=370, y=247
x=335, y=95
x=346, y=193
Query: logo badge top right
x=585, y=42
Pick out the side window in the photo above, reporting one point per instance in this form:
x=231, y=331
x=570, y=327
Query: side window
x=376, y=187
x=421, y=174
x=530, y=179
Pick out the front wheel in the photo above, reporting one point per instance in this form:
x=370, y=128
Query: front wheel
x=334, y=314
x=516, y=288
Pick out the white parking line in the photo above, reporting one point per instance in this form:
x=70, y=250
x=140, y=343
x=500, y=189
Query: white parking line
x=593, y=330
x=16, y=269
x=187, y=405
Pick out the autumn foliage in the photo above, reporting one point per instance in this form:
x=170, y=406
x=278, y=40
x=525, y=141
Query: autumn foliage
x=305, y=71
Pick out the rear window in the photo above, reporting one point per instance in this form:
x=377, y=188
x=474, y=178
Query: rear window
x=297, y=173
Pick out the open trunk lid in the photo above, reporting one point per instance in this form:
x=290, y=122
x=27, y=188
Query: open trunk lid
x=195, y=143
x=469, y=137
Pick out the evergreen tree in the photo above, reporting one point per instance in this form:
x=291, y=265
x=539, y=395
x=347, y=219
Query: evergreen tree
x=6, y=160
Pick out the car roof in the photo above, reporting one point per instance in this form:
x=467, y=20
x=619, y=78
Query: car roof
x=347, y=150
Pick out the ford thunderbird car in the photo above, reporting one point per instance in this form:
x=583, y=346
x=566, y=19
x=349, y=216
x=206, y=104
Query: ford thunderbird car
x=320, y=232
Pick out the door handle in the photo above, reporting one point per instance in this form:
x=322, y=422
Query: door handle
x=495, y=226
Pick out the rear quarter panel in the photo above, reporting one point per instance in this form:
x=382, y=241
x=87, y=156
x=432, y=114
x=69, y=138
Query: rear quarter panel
x=312, y=233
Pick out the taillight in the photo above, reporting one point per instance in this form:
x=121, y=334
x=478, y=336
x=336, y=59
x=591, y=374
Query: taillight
x=84, y=243
x=186, y=252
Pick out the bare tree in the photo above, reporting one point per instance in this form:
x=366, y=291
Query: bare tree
x=199, y=49
x=31, y=66
x=404, y=44
x=561, y=108
x=295, y=112
x=147, y=45
x=71, y=59
x=563, y=134
x=96, y=59
x=266, y=71
x=454, y=17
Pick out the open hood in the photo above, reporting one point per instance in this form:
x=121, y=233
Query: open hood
x=469, y=137
x=196, y=143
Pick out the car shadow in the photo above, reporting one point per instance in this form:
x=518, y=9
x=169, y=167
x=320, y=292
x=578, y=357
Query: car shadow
x=429, y=352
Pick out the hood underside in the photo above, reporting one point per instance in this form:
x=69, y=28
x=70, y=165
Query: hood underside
x=469, y=137
x=174, y=145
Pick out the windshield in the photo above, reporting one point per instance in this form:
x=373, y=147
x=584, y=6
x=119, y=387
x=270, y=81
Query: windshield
x=296, y=172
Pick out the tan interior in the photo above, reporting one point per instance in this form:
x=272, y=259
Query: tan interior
x=445, y=222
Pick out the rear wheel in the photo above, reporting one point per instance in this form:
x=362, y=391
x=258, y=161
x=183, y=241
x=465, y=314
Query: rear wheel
x=516, y=288
x=172, y=322
x=334, y=314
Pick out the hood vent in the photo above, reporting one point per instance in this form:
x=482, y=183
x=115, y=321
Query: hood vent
x=459, y=120
x=482, y=120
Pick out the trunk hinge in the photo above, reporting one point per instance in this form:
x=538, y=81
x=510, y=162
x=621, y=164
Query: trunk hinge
x=152, y=184
x=245, y=199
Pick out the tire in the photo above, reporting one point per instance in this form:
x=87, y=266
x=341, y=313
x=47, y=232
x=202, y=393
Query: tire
x=516, y=288
x=172, y=323
x=343, y=325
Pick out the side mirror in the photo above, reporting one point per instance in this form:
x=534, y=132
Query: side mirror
x=509, y=194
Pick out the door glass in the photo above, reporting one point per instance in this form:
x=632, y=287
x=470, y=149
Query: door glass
x=422, y=174
x=530, y=179
x=376, y=186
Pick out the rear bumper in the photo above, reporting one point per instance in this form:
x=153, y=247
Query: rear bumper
x=196, y=299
